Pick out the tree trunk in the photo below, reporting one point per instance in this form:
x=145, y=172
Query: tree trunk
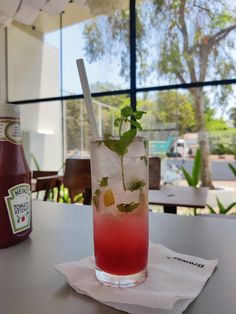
x=203, y=139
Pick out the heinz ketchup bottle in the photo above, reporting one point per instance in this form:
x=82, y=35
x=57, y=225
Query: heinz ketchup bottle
x=15, y=194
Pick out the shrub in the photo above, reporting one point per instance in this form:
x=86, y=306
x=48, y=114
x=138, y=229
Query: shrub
x=222, y=149
x=222, y=142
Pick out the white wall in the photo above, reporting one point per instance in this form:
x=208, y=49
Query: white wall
x=33, y=73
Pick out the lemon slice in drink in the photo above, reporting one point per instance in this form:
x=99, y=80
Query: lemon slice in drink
x=108, y=198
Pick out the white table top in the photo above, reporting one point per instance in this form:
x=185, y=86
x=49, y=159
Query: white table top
x=185, y=196
x=29, y=283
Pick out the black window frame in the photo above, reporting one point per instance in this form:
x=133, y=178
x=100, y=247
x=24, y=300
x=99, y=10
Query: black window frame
x=133, y=90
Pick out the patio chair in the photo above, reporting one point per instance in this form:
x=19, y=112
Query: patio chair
x=77, y=178
x=45, y=181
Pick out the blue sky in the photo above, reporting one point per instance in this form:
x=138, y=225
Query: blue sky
x=103, y=71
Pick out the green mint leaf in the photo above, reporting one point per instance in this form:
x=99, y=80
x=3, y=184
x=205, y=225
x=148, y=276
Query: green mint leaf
x=145, y=144
x=127, y=208
x=145, y=160
x=96, y=197
x=104, y=181
x=127, y=138
x=120, y=146
x=138, y=185
x=114, y=145
x=117, y=122
x=97, y=192
x=126, y=112
x=136, y=124
x=139, y=114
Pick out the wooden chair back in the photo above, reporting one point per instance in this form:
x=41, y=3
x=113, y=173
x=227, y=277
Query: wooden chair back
x=41, y=173
x=154, y=173
x=77, y=178
x=45, y=181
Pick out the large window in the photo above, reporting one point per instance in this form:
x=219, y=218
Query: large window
x=96, y=42
x=175, y=59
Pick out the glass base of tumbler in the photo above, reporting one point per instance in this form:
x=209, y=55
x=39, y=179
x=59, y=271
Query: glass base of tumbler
x=120, y=281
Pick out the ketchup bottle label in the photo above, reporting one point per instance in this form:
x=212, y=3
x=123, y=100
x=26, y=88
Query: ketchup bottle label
x=18, y=203
x=10, y=130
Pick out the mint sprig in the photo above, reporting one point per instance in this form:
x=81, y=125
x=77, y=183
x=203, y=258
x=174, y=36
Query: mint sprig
x=127, y=208
x=96, y=197
x=104, y=181
x=127, y=114
x=120, y=146
x=138, y=185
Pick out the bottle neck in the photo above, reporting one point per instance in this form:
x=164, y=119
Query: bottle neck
x=10, y=130
x=9, y=110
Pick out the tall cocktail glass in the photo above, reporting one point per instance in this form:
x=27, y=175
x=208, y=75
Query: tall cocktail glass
x=120, y=211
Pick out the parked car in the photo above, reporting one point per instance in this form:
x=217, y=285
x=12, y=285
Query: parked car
x=179, y=149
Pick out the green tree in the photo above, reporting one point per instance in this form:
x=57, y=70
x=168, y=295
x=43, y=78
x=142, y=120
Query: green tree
x=167, y=107
x=212, y=123
x=175, y=107
x=77, y=125
x=194, y=45
x=216, y=125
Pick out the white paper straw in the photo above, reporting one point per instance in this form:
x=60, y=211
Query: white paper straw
x=87, y=96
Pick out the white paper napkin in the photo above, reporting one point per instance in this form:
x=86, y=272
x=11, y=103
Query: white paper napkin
x=174, y=280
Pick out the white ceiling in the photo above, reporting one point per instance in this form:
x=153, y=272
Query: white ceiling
x=35, y=12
